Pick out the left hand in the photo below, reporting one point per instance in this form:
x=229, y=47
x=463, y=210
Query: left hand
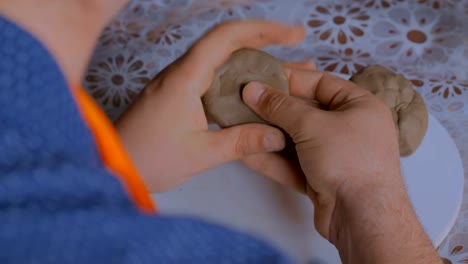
x=165, y=131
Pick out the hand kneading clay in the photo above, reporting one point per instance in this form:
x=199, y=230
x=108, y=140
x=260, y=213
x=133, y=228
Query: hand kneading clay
x=407, y=106
x=223, y=101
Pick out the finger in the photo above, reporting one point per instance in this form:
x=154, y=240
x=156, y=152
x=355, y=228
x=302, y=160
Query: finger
x=329, y=90
x=278, y=168
x=301, y=65
x=275, y=106
x=239, y=141
x=212, y=51
x=302, y=83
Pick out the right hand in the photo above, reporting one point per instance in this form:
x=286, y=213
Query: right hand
x=346, y=147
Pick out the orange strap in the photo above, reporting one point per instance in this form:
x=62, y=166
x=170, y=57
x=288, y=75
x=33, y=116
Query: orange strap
x=112, y=151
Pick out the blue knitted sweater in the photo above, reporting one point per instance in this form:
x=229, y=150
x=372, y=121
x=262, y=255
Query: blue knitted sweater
x=58, y=202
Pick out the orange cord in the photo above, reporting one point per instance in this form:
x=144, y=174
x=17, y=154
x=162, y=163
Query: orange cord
x=112, y=151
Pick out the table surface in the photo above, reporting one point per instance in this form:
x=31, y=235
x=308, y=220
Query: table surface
x=425, y=40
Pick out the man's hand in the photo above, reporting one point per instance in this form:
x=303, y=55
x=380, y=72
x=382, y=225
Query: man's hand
x=165, y=130
x=351, y=142
x=348, y=152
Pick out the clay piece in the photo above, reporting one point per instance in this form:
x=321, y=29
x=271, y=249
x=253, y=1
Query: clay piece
x=223, y=101
x=408, y=109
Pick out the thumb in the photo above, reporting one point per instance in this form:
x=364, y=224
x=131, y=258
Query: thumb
x=275, y=106
x=237, y=142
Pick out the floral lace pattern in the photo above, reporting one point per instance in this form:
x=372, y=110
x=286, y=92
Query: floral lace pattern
x=426, y=40
x=337, y=23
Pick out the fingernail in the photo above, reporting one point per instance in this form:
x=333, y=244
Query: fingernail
x=254, y=91
x=274, y=141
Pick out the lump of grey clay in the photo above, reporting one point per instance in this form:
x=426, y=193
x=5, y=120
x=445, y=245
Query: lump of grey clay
x=407, y=106
x=223, y=101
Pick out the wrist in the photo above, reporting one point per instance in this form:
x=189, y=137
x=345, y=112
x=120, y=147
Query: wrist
x=375, y=223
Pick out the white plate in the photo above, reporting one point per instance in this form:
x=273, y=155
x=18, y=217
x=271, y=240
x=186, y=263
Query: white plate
x=429, y=168
x=240, y=198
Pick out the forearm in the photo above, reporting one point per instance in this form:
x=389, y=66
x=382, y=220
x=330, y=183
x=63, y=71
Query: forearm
x=68, y=28
x=377, y=224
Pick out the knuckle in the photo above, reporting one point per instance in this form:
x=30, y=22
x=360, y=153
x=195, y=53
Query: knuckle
x=241, y=147
x=272, y=102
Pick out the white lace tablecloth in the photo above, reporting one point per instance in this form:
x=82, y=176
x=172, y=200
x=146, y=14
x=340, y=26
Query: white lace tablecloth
x=426, y=40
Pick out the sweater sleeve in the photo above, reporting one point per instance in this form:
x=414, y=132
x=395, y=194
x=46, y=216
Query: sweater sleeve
x=59, y=203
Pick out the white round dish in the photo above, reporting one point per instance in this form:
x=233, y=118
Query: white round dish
x=239, y=198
